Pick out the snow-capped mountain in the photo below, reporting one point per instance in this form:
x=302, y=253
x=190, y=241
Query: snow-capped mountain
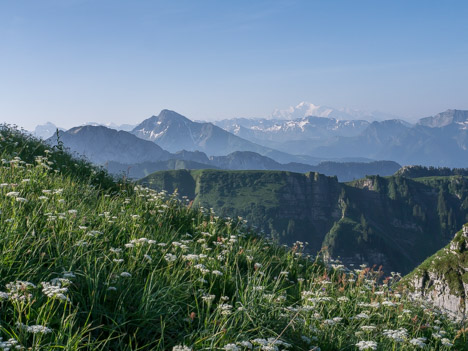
x=174, y=132
x=306, y=109
x=304, y=128
x=441, y=140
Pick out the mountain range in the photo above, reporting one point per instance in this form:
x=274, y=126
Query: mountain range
x=174, y=132
x=440, y=140
x=294, y=145
x=123, y=153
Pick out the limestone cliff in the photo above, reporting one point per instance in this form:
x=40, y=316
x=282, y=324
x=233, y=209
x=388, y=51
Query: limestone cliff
x=443, y=278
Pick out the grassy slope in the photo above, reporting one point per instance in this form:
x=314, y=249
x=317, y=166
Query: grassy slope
x=90, y=264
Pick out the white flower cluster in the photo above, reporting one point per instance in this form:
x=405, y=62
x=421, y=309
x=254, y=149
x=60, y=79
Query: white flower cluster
x=170, y=257
x=398, y=335
x=34, y=329
x=419, y=342
x=10, y=344
x=271, y=344
x=181, y=348
x=366, y=345
x=20, y=290
x=55, y=289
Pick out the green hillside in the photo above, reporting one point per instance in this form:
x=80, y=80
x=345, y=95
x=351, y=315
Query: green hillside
x=140, y=170
x=390, y=221
x=90, y=264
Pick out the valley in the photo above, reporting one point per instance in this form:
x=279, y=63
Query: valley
x=393, y=222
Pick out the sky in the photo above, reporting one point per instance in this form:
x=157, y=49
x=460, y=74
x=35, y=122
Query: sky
x=76, y=61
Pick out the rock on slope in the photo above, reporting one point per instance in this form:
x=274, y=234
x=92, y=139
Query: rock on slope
x=443, y=278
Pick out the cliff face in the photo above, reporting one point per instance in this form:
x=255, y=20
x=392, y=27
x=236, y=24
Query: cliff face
x=394, y=221
x=287, y=206
x=443, y=278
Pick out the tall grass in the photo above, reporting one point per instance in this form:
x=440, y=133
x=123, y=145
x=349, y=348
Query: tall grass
x=90, y=263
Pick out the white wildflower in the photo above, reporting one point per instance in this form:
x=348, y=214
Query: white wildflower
x=362, y=316
x=398, y=335
x=368, y=327
x=12, y=194
x=446, y=342
x=367, y=345
x=54, y=290
x=34, y=329
x=208, y=298
x=3, y=295
x=246, y=344
x=420, y=342
x=170, y=257
x=181, y=348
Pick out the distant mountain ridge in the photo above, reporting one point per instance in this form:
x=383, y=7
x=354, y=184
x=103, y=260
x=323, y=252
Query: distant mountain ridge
x=446, y=118
x=101, y=144
x=48, y=129
x=441, y=140
x=310, y=127
x=123, y=153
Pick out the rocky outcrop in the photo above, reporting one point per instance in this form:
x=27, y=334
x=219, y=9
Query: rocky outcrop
x=443, y=278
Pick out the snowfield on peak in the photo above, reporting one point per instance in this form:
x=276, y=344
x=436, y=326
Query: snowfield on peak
x=306, y=109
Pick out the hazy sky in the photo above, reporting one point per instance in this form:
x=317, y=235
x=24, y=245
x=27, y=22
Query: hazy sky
x=74, y=61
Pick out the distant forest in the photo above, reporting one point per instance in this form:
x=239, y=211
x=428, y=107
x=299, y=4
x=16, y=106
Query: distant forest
x=421, y=171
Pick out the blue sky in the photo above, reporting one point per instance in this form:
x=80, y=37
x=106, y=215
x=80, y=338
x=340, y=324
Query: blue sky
x=74, y=61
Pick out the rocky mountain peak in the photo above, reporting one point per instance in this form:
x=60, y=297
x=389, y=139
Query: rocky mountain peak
x=445, y=118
